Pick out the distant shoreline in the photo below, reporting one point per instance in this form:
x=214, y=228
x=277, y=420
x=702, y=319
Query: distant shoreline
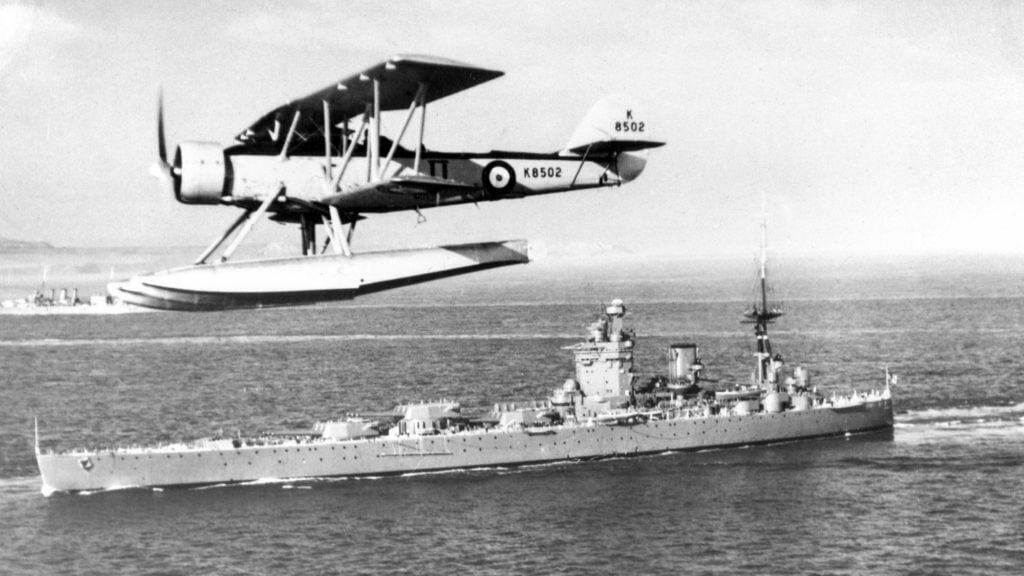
x=566, y=270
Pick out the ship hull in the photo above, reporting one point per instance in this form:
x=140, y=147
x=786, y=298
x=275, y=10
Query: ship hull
x=161, y=467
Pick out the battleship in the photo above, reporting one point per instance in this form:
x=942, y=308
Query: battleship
x=607, y=409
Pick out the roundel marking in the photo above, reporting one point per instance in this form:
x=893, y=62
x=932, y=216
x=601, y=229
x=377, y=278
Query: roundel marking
x=498, y=176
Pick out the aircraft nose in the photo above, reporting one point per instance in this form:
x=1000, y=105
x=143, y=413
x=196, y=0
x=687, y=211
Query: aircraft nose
x=631, y=164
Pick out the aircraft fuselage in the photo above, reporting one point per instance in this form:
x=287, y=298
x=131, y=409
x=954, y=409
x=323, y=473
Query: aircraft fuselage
x=216, y=177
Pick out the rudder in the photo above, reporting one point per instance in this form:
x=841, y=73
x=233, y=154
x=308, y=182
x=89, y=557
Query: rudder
x=614, y=124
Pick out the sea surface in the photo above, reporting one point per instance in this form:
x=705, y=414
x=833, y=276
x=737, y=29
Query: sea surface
x=942, y=494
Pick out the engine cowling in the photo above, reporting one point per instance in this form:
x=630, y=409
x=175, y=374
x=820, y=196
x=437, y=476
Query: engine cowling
x=201, y=171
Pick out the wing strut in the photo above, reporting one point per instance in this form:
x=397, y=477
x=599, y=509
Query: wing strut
x=336, y=239
x=348, y=153
x=340, y=241
x=351, y=230
x=308, y=227
x=419, y=145
x=334, y=226
x=375, y=148
x=420, y=92
x=327, y=143
x=291, y=133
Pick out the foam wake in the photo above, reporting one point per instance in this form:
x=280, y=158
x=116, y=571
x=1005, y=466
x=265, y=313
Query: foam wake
x=961, y=423
x=20, y=486
x=1010, y=412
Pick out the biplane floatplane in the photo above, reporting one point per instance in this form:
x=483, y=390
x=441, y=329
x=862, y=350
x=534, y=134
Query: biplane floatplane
x=321, y=161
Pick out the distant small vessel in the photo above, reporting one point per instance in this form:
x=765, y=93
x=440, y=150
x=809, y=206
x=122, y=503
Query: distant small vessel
x=64, y=302
x=605, y=410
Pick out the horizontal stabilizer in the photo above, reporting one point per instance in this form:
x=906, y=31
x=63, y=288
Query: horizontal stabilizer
x=604, y=147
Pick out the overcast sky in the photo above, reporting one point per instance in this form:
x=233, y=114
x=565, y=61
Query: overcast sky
x=873, y=127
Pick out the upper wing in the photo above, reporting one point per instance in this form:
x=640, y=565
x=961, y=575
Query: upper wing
x=399, y=76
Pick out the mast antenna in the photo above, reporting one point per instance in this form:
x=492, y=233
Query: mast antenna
x=761, y=315
x=764, y=251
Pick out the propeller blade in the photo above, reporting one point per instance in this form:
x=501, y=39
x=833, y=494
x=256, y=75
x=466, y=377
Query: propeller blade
x=161, y=170
x=160, y=127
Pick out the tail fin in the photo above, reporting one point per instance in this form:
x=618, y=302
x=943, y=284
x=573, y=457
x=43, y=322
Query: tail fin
x=614, y=124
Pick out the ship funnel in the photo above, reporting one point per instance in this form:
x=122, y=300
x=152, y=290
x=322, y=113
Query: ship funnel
x=683, y=361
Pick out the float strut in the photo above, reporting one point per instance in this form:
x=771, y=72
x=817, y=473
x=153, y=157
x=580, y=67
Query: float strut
x=252, y=222
x=227, y=233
